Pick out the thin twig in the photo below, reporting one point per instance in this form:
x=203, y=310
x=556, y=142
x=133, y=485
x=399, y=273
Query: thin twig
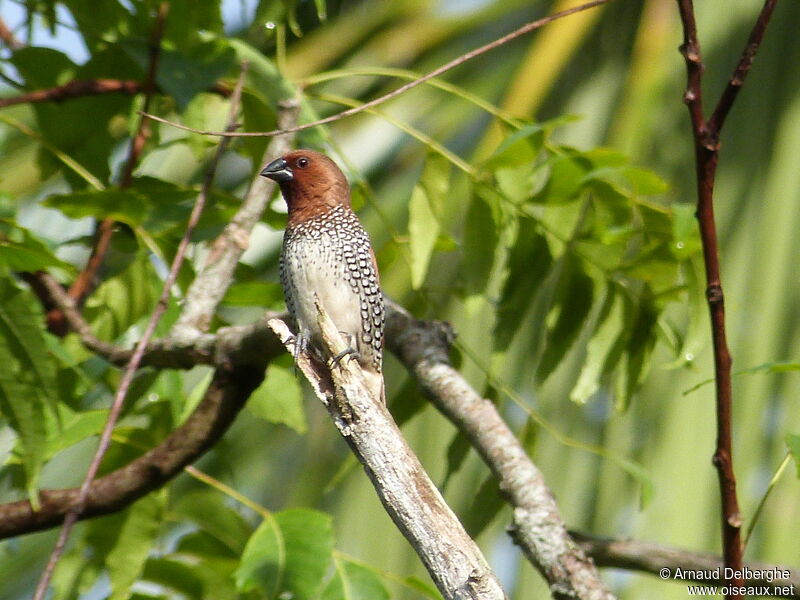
x=527, y=28
x=236, y=343
x=72, y=316
x=85, y=282
x=706, y=144
x=728, y=96
x=127, y=376
x=80, y=289
x=80, y=88
x=9, y=38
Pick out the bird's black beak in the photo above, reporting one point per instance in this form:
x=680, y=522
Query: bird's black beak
x=278, y=170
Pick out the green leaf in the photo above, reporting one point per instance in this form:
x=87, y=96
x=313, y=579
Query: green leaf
x=517, y=183
x=520, y=148
x=127, y=206
x=204, y=545
x=64, y=125
x=635, y=359
x=121, y=301
x=352, y=581
x=566, y=179
x=685, y=233
x=523, y=146
x=74, y=575
x=426, y=209
x=793, y=442
x=254, y=293
x=481, y=236
x=43, y=67
x=176, y=575
x=20, y=250
x=457, y=451
x=134, y=538
x=529, y=261
x=571, y=307
x=76, y=429
x=436, y=181
x=279, y=399
x=485, y=506
x=643, y=182
x=208, y=510
x=27, y=379
x=184, y=73
x=288, y=554
x=423, y=231
x=603, y=349
x=98, y=22
x=195, y=18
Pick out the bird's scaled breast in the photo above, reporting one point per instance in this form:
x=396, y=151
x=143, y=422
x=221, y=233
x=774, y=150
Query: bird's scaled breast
x=315, y=265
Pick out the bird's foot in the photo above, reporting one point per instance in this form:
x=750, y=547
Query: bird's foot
x=349, y=351
x=301, y=342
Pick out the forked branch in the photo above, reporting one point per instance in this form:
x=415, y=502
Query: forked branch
x=706, y=135
x=452, y=558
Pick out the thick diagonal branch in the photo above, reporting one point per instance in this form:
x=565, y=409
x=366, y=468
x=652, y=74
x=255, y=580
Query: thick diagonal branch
x=537, y=524
x=452, y=558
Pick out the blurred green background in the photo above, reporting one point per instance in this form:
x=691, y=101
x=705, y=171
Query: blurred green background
x=617, y=69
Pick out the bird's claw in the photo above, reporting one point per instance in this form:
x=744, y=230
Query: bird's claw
x=301, y=345
x=349, y=351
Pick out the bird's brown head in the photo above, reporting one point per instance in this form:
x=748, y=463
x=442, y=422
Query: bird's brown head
x=311, y=183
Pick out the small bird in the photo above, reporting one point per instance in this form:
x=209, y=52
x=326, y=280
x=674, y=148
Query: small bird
x=327, y=253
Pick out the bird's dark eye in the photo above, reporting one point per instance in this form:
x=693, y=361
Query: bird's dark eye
x=302, y=162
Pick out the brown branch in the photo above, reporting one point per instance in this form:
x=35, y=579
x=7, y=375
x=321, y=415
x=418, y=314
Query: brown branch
x=87, y=278
x=736, y=82
x=225, y=396
x=679, y=565
x=52, y=293
x=527, y=28
x=8, y=37
x=80, y=88
x=706, y=144
x=537, y=525
x=237, y=343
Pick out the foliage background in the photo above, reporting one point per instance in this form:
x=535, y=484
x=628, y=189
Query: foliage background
x=618, y=69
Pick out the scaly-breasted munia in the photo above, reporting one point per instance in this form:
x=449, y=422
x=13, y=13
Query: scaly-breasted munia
x=327, y=253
